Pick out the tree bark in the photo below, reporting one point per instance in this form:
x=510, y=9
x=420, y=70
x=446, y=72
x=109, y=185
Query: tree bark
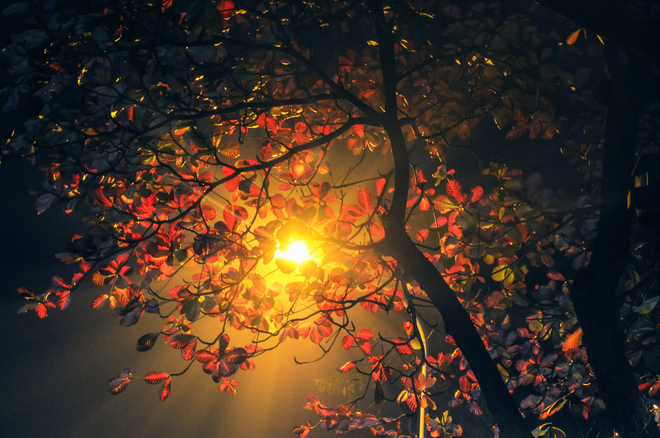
x=458, y=325
x=594, y=292
x=399, y=245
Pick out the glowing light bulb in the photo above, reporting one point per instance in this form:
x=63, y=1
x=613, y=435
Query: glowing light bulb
x=296, y=252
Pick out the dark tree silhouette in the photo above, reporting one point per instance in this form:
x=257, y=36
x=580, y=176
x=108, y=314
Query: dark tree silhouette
x=279, y=168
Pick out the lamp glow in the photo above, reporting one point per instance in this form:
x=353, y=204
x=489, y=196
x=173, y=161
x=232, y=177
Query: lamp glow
x=296, y=252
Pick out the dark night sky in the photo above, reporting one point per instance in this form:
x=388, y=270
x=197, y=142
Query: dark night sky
x=54, y=371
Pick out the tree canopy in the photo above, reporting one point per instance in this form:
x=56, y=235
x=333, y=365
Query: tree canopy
x=270, y=171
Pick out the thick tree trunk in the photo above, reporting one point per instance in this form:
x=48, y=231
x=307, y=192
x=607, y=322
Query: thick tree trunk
x=594, y=293
x=459, y=325
x=398, y=244
x=632, y=23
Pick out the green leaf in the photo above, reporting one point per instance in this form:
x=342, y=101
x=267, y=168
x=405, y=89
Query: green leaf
x=191, y=310
x=535, y=325
x=647, y=306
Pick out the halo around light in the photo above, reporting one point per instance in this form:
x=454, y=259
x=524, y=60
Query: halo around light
x=296, y=252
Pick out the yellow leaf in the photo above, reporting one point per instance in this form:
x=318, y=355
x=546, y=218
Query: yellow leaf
x=286, y=266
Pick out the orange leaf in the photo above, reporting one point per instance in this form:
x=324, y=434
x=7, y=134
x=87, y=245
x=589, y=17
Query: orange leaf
x=365, y=198
x=572, y=38
x=573, y=341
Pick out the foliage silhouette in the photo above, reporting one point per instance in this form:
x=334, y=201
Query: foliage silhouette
x=199, y=138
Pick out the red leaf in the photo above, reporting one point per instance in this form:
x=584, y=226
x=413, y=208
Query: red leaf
x=76, y=278
x=364, y=335
x=412, y=403
x=403, y=348
x=251, y=349
x=181, y=340
x=422, y=235
x=465, y=384
x=64, y=299
x=58, y=281
x=208, y=212
x=477, y=193
x=554, y=275
x=408, y=327
x=266, y=152
x=476, y=410
x=301, y=431
x=366, y=347
x=380, y=185
x=166, y=389
x=205, y=356
x=347, y=342
x=226, y=8
x=188, y=352
x=454, y=190
x=229, y=217
x=155, y=377
x=41, y=310
x=179, y=292
x=100, y=301
x=346, y=367
x=365, y=198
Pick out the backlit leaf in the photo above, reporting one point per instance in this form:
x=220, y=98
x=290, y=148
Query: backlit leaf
x=230, y=362
x=347, y=367
x=365, y=198
x=182, y=339
x=41, y=310
x=364, y=335
x=572, y=341
x=455, y=191
x=155, y=377
x=146, y=342
x=572, y=38
x=100, y=301
x=347, y=342
x=166, y=389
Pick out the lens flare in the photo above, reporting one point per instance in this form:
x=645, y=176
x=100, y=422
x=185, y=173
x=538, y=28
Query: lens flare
x=296, y=252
